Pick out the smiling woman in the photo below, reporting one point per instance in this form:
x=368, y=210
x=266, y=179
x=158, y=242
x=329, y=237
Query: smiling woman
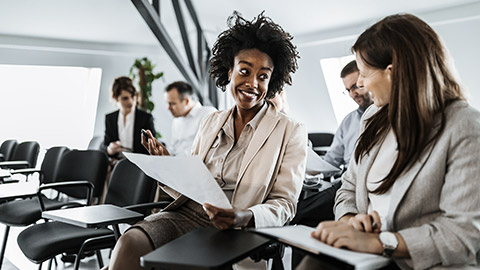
x=256, y=154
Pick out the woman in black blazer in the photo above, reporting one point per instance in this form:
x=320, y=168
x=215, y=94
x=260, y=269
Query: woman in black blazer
x=125, y=95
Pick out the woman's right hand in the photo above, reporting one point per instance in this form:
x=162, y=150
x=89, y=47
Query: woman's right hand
x=153, y=146
x=114, y=147
x=364, y=222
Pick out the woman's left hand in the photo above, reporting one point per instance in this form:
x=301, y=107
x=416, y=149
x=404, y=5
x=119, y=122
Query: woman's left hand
x=228, y=218
x=342, y=235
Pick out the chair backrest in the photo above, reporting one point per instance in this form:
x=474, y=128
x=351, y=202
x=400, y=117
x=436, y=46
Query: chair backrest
x=88, y=165
x=27, y=151
x=321, y=139
x=51, y=163
x=128, y=185
x=7, y=148
x=95, y=143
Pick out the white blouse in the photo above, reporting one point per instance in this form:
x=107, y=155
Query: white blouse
x=125, y=130
x=381, y=166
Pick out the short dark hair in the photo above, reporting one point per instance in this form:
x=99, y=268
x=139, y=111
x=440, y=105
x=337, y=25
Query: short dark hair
x=183, y=89
x=348, y=69
x=123, y=83
x=263, y=34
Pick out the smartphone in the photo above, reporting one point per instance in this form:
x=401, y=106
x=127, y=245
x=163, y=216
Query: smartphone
x=145, y=134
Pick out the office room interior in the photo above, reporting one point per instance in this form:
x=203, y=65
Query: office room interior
x=58, y=59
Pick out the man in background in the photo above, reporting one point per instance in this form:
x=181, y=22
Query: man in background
x=187, y=113
x=348, y=132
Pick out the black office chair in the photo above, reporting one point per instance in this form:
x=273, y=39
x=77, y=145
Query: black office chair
x=95, y=143
x=51, y=162
x=128, y=186
x=75, y=165
x=320, y=141
x=7, y=148
x=24, y=156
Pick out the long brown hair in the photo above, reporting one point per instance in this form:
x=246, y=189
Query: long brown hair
x=422, y=87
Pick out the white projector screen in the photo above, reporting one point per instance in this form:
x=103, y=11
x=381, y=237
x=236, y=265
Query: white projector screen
x=55, y=106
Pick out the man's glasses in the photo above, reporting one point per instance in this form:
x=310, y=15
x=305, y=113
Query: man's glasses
x=348, y=90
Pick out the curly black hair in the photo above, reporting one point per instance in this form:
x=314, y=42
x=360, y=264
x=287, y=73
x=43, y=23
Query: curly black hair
x=262, y=34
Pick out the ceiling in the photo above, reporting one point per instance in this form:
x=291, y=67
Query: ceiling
x=118, y=21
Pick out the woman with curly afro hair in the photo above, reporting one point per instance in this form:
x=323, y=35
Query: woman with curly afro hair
x=255, y=153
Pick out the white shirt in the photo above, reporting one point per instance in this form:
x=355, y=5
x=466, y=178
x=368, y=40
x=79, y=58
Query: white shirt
x=185, y=128
x=125, y=131
x=381, y=166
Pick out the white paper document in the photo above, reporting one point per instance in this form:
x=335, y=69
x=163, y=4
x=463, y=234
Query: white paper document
x=316, y=164
x=185, y=174
x=300, y=236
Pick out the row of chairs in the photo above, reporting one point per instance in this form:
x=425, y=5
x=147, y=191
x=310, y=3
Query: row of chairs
x=76, y=175
x=14, y=155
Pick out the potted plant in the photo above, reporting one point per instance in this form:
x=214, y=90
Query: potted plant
x=143, y=70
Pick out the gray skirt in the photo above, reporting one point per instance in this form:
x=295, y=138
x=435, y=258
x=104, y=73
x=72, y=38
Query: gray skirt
x=163, y=227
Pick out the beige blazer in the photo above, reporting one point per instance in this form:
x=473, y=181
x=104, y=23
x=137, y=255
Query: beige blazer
x=271, y=174
x=435, y=205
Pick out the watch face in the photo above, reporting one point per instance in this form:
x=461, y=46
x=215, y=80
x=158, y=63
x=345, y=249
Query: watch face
x=388, y=239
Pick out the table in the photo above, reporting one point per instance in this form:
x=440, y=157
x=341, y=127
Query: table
x=95, y=216
x=205, y=248
x=17, y=190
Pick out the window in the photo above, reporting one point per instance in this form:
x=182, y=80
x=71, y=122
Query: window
x=55, y=106
x=342, y=104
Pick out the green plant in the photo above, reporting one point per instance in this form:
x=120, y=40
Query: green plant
x=143, y=70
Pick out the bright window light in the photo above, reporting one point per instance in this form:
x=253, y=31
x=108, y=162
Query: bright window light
x=55, y=106
x=342, y=104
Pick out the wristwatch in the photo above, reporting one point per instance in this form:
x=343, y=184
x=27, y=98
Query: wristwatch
x=389, y=242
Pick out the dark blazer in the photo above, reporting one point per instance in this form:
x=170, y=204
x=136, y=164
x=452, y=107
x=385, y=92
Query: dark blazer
x=142, y=120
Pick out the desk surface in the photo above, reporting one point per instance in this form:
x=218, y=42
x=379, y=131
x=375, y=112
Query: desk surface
x=205, y=248
x=93, y=216
x=17, y=190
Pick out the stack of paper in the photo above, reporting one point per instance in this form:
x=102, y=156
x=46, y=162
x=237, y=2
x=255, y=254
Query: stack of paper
x=300, y=236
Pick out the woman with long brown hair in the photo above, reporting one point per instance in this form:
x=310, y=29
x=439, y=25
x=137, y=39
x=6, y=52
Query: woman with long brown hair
x=411, y=191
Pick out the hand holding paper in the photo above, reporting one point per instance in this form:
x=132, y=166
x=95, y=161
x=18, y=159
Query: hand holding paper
x=187, y=175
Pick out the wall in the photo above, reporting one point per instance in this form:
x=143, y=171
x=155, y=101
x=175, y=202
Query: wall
x=308, y=97
x=114, y=60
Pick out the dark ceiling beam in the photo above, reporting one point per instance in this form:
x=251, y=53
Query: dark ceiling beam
x=183, y=31
x=156, y=6
x=153, y=21
x=203, y=51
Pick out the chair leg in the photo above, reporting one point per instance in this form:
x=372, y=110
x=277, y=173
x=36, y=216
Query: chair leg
x=4, y=244
x=277, y=263
x=99, y=258
x=49, y=264
x=76, y=264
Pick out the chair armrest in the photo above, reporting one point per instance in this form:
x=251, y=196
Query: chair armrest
x=86, y=184
x=20, y=164
x=96, y=243
x=143, y=207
